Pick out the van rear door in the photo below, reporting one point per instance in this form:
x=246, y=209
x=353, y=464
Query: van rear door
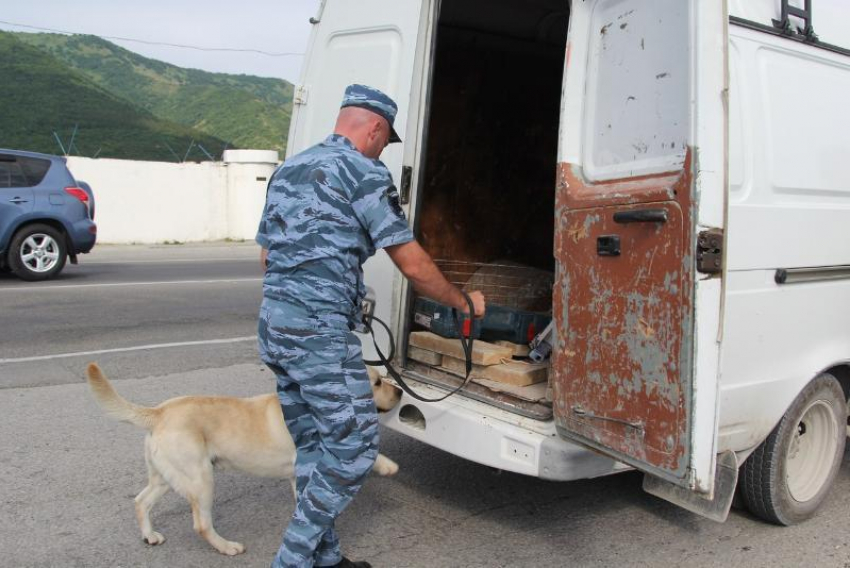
x=372, y=42
x=641, y=177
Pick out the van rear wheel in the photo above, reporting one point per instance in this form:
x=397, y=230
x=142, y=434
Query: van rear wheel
x=37, y=252
x=790, y=474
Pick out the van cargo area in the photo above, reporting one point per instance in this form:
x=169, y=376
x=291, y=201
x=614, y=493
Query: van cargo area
x=486, y=197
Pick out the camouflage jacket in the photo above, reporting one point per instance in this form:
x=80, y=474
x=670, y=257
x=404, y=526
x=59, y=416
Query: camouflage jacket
x=328, y=209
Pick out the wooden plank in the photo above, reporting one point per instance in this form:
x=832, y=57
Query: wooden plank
x=425, y=356
x=458, y=367
x=520, y=349
x=518, y=373
x=531, y=393
x=483, y=353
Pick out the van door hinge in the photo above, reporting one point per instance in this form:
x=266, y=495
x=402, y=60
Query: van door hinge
x=404, y=192
x=710, y=251
x=299, y=97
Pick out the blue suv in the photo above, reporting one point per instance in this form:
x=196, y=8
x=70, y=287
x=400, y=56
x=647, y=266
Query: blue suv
x=46, y=216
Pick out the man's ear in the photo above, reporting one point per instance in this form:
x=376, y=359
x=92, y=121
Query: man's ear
x=375, y=130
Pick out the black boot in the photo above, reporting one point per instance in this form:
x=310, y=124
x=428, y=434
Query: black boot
x=346, y=563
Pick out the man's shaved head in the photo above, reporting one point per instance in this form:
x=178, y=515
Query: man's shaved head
x=369, y=131
x=355, y=117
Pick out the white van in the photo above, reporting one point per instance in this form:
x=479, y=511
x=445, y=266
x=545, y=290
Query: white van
x=681, y=167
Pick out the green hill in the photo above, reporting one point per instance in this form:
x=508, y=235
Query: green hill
x=40, y=95
x=246, y=111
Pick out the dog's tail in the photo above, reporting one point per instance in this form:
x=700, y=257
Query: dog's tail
x=114, y=404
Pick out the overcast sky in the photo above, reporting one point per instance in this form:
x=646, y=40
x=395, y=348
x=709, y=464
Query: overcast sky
x=266, y=25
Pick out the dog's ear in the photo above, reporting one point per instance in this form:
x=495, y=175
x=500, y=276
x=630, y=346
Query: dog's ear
x=374, y=376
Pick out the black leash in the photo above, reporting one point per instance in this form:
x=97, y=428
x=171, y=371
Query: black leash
x=465, y=342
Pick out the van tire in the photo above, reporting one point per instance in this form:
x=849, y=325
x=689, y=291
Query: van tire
x=56, y=252
x=776, y=484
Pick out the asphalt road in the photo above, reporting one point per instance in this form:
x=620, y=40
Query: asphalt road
x=174, y=320
x=121, y=298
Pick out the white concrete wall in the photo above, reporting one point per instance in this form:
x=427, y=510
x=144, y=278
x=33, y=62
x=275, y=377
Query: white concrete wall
x=154, y=202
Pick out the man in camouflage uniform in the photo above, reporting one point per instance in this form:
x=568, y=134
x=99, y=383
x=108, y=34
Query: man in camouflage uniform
x=328, y=209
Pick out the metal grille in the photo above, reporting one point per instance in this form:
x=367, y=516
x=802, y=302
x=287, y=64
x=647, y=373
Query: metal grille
x=503, y=283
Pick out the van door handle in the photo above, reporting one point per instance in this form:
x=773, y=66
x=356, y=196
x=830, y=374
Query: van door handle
x=641, y=216
x=18, y=200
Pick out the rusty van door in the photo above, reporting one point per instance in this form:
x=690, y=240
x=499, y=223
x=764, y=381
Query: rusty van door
x=643, y=116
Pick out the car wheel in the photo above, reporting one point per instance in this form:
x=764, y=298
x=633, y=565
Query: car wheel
x=790, y=474
x=37, y=252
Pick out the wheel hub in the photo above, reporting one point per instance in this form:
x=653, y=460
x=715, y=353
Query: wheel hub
x=811, y=451
x=39, y=252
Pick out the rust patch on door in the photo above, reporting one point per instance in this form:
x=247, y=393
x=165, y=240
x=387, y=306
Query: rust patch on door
x=622, y=369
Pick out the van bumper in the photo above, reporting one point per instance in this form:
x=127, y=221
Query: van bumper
x=493, y=437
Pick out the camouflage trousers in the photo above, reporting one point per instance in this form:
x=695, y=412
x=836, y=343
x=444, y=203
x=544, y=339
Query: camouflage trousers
x=329, y=409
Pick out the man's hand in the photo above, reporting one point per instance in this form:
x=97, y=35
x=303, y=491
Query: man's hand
x=477, y=302
x=264, y=255
x=417, y=266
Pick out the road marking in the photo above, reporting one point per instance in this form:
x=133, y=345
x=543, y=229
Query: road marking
x=117, y=284
x=172, y=260
x=126, y=349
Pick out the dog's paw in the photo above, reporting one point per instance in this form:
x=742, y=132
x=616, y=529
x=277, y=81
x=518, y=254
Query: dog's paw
x=231, y=548
x=154, y=538
x=384, y=466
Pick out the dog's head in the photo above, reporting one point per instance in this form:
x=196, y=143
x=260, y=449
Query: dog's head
x=386, y=395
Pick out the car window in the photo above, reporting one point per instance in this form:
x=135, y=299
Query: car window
x=19, y=171
x=34, y=169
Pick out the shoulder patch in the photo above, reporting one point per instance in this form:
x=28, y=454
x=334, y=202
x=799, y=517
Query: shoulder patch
x=392, y=198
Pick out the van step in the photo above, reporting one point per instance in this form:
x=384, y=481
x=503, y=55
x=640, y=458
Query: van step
x=501, y=398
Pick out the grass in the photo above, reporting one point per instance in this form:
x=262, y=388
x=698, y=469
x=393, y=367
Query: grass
x=246, y=111
x=44, y=96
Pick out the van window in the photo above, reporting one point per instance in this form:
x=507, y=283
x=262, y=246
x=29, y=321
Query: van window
x=637, y=90
x=19, y=171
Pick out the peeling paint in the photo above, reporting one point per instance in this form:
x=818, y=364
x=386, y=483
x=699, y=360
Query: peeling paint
x=646, y=329
x=629, y=317
x=589, y=221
